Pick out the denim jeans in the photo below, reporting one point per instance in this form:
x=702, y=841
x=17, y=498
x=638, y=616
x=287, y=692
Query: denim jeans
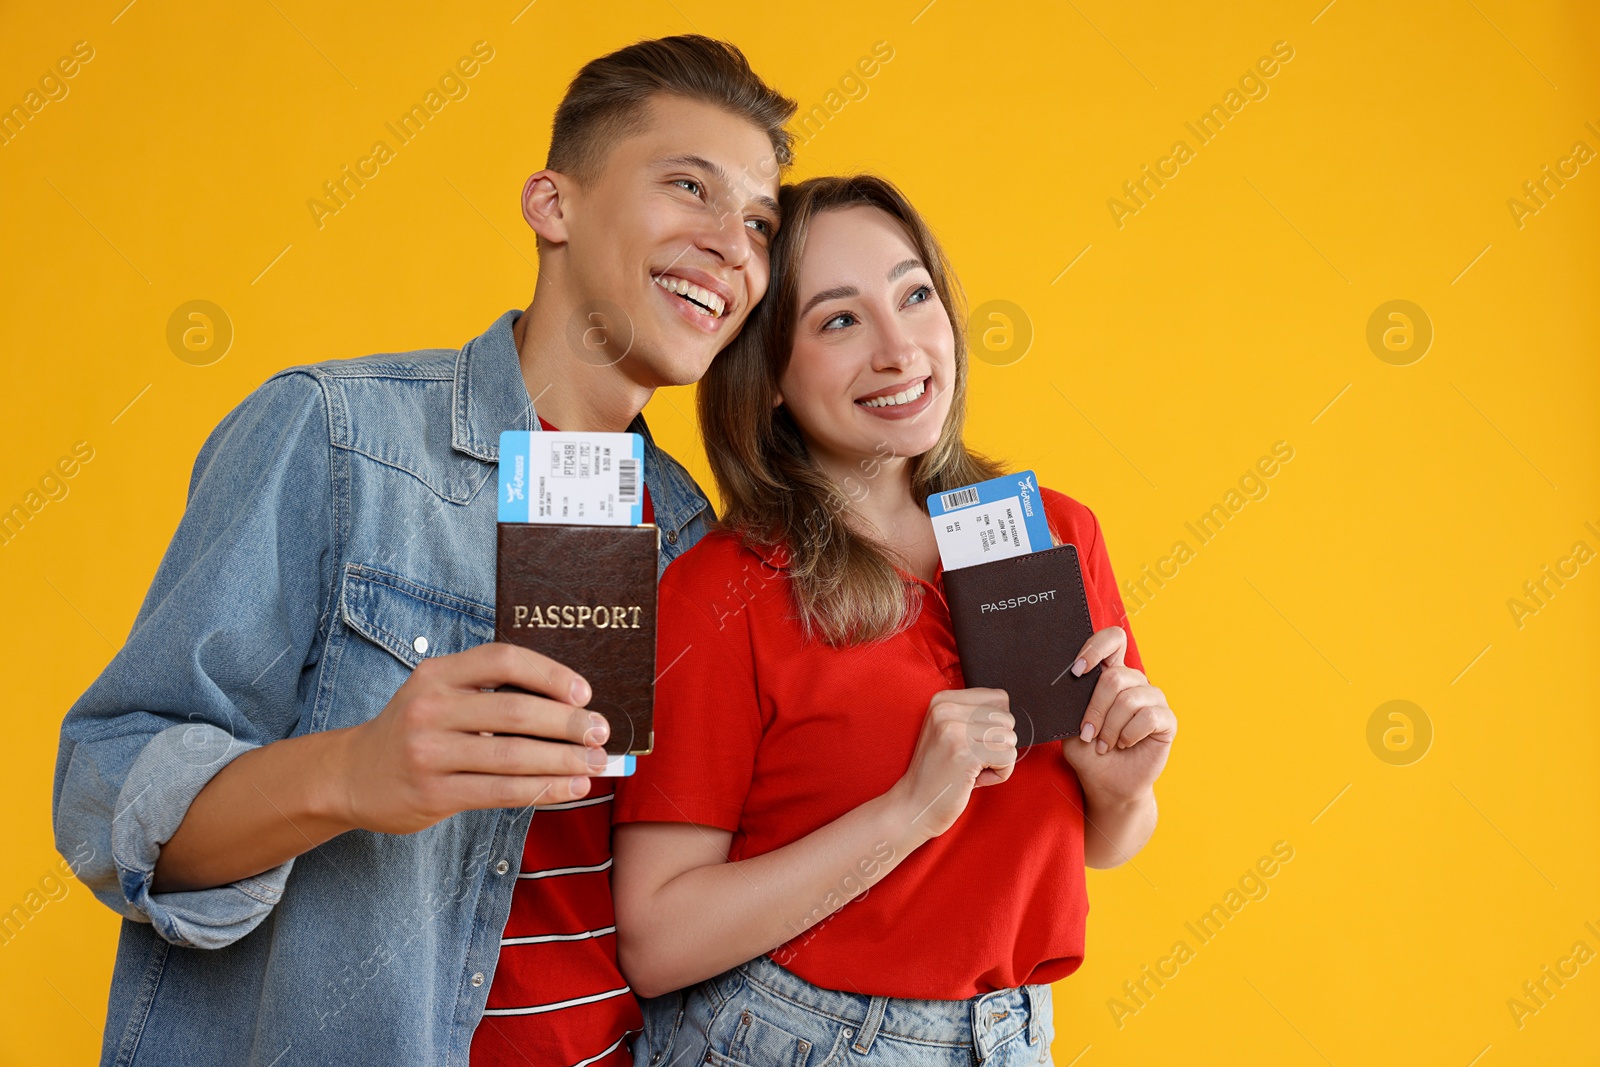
x=760, y=1015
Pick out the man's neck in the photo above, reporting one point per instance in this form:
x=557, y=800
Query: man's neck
x=567, y=390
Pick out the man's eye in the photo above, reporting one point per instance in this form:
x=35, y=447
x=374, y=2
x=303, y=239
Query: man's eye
x=761, y=226
x=689, y=184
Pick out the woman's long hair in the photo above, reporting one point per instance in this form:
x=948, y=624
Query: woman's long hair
x=846, y=585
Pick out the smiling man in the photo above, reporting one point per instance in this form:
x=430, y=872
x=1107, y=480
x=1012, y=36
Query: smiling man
x=308, y=685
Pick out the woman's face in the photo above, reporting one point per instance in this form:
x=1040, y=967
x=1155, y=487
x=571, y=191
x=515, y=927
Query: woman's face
x=874, y=356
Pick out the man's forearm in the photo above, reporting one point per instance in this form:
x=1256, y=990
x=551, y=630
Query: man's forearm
x=1115, y=829
x=266, y=807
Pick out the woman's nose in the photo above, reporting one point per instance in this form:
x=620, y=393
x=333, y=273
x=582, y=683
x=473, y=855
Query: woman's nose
x=895, y=349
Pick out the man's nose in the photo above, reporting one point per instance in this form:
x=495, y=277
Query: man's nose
x=724, y=235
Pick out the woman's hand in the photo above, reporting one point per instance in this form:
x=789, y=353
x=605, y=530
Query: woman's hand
x=1127, y=730
x=968, y=740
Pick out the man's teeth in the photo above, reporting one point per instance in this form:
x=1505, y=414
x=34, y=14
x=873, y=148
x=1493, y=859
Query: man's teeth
x=709, y=303
x=898, y=398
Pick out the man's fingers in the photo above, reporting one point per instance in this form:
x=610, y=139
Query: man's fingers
x=474, y=791
x=497, y=663
x=531, y=716
x=1104, y=646
x=523, y=756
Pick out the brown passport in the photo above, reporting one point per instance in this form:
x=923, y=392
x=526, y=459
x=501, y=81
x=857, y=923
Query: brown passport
x=586, y=597
x=1019, y=624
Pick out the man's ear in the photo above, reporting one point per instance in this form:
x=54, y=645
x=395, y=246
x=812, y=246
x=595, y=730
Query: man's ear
x=543, y=199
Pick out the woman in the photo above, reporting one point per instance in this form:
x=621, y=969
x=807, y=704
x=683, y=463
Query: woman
x=835, y=845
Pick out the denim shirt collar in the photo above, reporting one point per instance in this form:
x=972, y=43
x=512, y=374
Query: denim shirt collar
x=491, y=396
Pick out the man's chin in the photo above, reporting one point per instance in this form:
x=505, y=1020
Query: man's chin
x=657, y=369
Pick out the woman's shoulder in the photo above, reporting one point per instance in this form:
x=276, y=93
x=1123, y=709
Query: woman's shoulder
x=720, y=555
x=1071, y=519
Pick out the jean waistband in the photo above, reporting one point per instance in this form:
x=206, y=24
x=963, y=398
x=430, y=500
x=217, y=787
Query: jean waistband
x=981, y=1023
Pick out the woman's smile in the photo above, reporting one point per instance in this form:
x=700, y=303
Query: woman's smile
x=902, y=401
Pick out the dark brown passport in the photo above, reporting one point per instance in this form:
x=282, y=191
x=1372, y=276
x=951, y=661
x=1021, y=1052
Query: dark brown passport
x=1019, y=624
x=586, y=597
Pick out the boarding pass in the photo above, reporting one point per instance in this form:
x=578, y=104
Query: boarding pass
x=590, y=479
x=991, y=520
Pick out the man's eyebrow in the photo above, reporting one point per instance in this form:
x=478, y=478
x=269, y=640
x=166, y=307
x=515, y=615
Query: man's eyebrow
x=695, y=162
x=836, y=293
x=717, y=171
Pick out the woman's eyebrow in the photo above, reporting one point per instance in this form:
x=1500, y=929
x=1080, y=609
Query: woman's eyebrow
x=837, y=292
x=840, y=291
x=903, y=266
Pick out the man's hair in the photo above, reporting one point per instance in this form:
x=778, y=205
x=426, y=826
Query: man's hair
x=609, y=98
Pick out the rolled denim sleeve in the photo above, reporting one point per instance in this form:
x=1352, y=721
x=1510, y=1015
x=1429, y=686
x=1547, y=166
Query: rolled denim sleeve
x=220, y=660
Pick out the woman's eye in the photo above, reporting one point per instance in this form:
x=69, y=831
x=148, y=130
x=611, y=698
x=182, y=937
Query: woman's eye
x=920, y=294
x=688, y=183
x=844, y=317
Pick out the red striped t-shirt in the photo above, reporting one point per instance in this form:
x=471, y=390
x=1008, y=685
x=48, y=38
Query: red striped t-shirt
x=559, y=998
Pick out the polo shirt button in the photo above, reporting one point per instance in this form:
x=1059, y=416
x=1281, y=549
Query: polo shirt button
x=477, y=980
x=502, y=867
x=421, y=646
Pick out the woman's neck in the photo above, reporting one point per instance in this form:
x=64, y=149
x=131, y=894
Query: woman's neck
x=882, y=506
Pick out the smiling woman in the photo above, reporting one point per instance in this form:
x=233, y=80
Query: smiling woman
x=864, y=347
x=817, y=738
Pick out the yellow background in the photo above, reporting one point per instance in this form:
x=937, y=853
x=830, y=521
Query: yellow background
x=1227, y=314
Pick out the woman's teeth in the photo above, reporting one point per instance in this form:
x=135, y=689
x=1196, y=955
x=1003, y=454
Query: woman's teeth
x=898, y=398
x=704, y=300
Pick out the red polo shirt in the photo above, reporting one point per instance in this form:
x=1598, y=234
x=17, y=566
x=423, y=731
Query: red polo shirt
x=558, y=996
x=765, y=734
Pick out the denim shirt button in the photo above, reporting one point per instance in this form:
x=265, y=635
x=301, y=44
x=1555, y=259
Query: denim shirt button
x=672, y=537
x=477, y=980
x=502, y=867
x=421, y=645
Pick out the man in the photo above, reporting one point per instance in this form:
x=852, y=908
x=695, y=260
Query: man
x=307, y=686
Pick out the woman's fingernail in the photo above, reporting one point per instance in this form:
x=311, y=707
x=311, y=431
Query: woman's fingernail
x=1087, y=733
x=1100, y=747
x=1079, y=667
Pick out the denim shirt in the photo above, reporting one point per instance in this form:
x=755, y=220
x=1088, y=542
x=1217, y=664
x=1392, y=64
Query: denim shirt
x=340, y=526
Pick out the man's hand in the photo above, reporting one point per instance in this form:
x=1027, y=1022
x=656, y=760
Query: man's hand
x=1127, y=729
x=425, y=757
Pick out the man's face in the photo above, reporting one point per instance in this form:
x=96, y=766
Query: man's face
x=672, y=237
